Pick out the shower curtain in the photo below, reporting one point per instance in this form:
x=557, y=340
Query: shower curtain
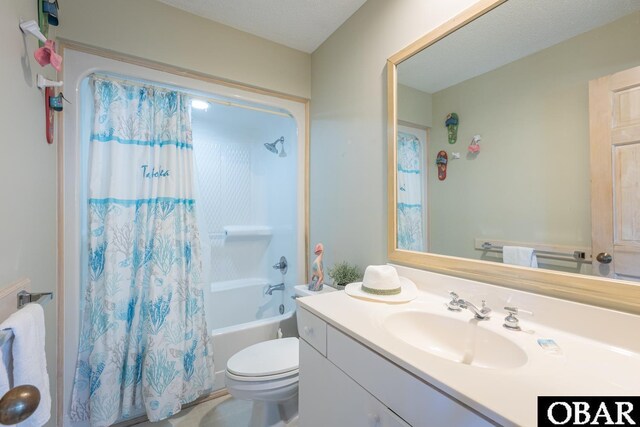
x=410, y=181
x=143, y=337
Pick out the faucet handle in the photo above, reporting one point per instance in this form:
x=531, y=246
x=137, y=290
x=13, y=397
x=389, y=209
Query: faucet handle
x=511, y=322
x=516, y=310
x=454, y=304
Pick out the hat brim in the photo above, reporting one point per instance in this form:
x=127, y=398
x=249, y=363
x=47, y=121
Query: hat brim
x=408, y=292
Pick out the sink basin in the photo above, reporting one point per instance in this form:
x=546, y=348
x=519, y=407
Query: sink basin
x=461, y=341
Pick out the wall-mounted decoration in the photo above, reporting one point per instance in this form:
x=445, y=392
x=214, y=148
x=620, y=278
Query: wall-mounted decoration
x=49, y=11
x=452, y=127
x=441, y=162
x=55, y=102
x=48, y=114
x=43, y=82
x=46, y=53
x=43, y=21
x=474, y=147
x=51, y=103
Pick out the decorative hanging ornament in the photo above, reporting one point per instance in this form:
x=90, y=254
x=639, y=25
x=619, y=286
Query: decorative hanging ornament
x=474, y=147
x=48, y=114
x=452, y=127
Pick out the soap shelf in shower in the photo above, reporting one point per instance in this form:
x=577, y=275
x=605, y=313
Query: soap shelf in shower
x=242, y=232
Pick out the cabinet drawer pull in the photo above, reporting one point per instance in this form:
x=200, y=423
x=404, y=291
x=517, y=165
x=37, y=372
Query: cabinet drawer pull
x=374, y=419
x=307, y=330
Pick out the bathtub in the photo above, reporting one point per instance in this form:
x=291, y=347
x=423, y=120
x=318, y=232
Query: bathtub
x=239, y=314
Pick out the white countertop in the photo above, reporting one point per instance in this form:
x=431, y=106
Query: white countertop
x=508, y=396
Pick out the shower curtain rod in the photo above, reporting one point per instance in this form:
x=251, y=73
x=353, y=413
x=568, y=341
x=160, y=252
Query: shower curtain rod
x=194, y=96
x=247, y=107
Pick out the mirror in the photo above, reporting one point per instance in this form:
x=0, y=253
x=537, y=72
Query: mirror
x=489, y=138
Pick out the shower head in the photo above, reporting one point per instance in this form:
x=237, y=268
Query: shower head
x=271, y=146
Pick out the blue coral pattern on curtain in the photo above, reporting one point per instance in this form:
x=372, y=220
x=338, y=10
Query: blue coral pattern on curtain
x=410, y=190
x=143, y=337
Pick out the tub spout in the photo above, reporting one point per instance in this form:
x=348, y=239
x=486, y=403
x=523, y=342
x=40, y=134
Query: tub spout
x=271, y=288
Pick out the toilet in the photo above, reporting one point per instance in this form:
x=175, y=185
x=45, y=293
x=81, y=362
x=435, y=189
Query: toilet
x=267, y=374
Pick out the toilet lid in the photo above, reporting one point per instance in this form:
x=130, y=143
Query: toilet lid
x=265, y=358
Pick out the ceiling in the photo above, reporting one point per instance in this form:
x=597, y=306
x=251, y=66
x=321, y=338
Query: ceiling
x=512, y=31
x=299, y=24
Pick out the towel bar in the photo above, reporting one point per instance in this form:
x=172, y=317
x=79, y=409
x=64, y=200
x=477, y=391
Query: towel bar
x=25, y=298
x=578, y=255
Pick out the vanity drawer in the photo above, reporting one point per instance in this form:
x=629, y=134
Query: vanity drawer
x=417, y=402
x=313, y=330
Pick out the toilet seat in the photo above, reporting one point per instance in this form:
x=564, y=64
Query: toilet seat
x=293, y=374
x=265, y=361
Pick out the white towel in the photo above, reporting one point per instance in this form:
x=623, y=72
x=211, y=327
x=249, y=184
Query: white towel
x=29, y=358
x=5, y=367
x=518, y=255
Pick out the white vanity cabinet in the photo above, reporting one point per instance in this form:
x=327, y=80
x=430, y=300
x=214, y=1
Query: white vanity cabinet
x=343, y=383
x=328, y=397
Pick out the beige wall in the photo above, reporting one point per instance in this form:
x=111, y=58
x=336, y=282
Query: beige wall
x=530, y=182
x=348, y=124
x=152, y=30
x=414, y=106
x=27, y=170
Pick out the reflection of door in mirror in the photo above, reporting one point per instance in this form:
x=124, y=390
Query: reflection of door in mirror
x=614, y=104
x=412, y=168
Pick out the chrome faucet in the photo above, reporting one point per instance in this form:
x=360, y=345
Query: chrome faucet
x=271, y=288
x=457, y=304
x=479, y=313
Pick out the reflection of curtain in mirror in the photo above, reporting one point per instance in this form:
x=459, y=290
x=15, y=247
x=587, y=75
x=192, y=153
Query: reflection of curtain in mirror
x=410, y=177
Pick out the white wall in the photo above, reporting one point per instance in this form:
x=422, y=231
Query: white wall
x=348, y=124
x=152, y=30
x=27, y=170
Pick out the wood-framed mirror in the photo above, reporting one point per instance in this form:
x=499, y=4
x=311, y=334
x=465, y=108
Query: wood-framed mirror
x=551, y=92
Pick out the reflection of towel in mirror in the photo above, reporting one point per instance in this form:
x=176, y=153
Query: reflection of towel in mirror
x=518, y=255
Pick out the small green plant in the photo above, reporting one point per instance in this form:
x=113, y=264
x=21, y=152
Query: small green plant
x=343, y=273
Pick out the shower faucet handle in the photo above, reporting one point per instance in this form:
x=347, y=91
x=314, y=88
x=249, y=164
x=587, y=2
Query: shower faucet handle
x=282, y=265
